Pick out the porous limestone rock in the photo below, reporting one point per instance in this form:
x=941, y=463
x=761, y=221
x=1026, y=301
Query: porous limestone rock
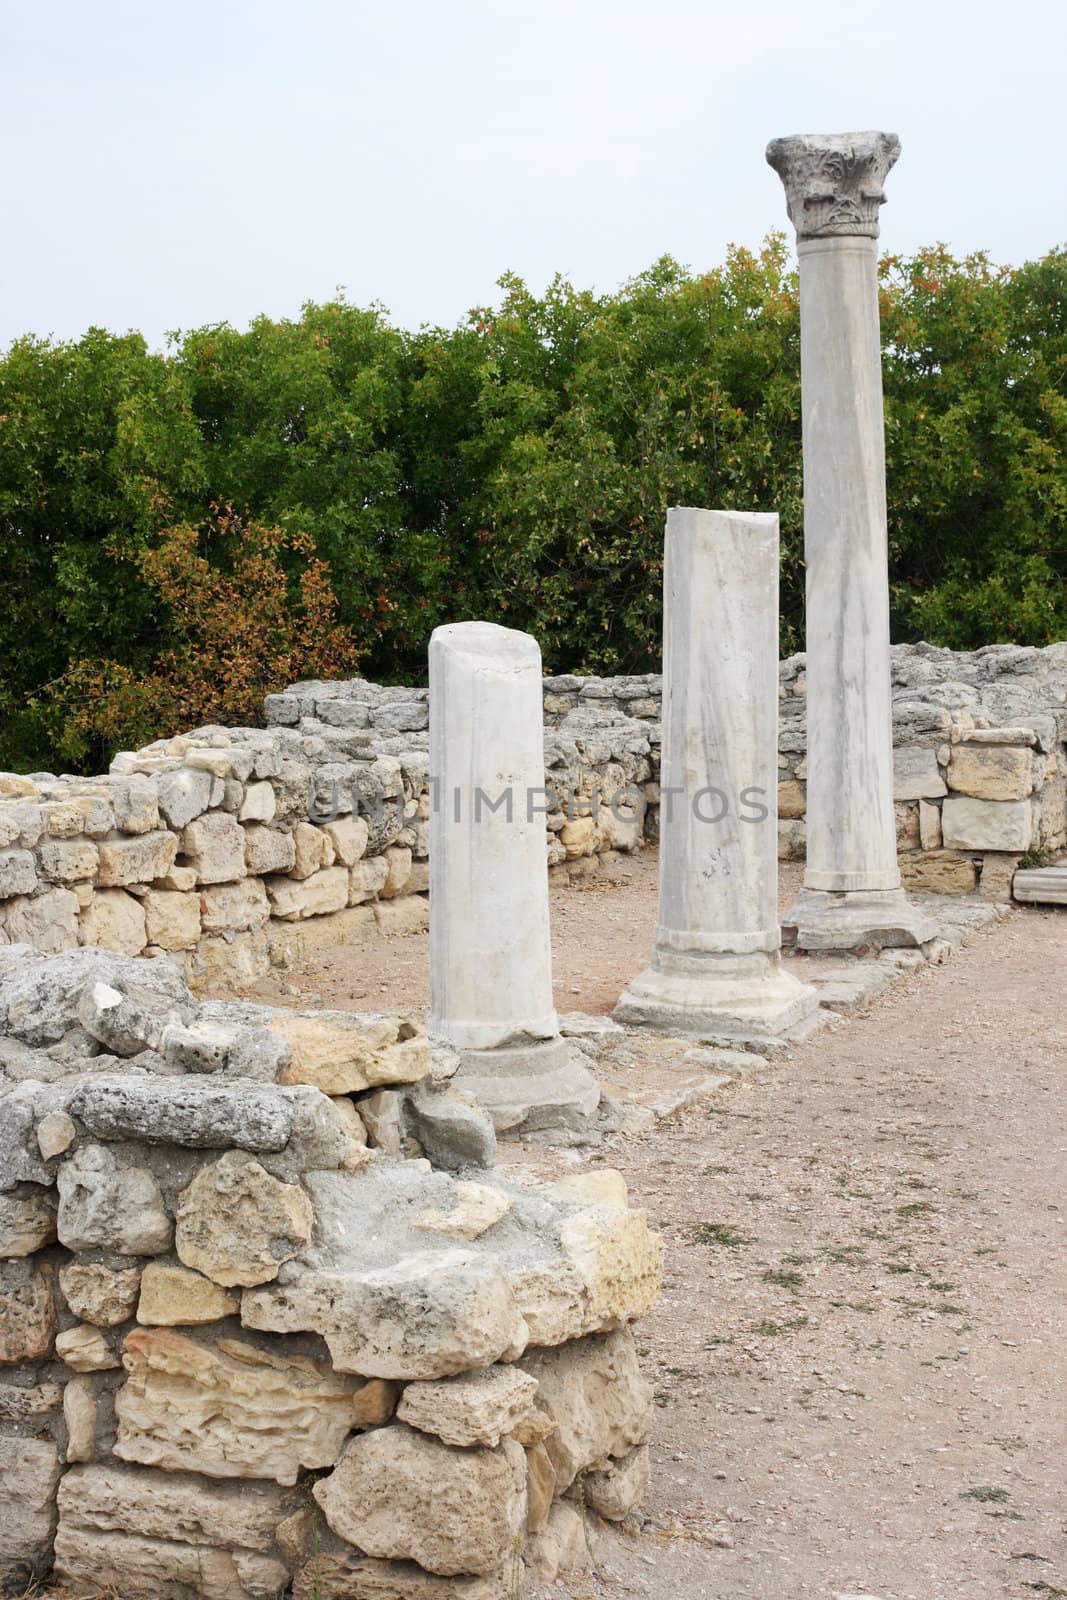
x=338, y=1572
x=234, y=907
x=48, y=922
x=593, y=1391
x=402, y=1495
x=215, y=848
x=295, y=898
x=27, y=1311
x=110, y=1498
x=342, y=1053
x=68, y=860
x=969, y=824
x=314, y=850
x=55, y=1134
x=563, y=1545
x=139, y=858
x=268, y=849
x=85, y=1349
x=619, y=1261
x=172, y=918
x=991, y=772
x=18, y=873
x=115, y=921
x=349, y=836
x=162, y=1569
x=938, y=872
x=477, y=1208
x=475, y=1408
x=183, y=795
x=98, y=1294
x=229, y=1410
x=27, y=1220
x=258, y=804
x=105, y=1206
x=237, y=1224
x=40, y=997
x=29, y=1472
x=24, y=1404
x=185, y=1111
x=613, y=1491
x=80, y=1414
x=173, y=1296
x=122, y=1026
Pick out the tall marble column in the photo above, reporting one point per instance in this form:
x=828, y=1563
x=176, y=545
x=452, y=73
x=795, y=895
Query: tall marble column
x=852, y=895
x=716, y=969
x=490, y=952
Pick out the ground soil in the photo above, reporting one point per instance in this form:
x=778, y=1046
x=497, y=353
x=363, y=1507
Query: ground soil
x=859, y=1360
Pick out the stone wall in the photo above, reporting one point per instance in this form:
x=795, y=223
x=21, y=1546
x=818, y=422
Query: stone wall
x=269, y=1318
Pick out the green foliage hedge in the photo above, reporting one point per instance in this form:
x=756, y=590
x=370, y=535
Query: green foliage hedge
x=518, y=467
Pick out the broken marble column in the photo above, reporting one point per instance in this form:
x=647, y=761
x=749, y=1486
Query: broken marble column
x=490, y=951
x=851, y=895
x=716, y=969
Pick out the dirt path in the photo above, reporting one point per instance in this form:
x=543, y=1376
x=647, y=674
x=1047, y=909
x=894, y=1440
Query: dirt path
x=860, y=1358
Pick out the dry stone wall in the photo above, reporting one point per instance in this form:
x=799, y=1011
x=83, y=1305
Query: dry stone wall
x=269, y=1317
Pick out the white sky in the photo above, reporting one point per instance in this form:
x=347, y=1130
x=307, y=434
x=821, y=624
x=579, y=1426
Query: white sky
x=169, y=165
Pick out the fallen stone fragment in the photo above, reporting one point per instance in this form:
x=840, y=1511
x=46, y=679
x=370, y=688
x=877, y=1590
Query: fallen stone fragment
x=452, y=1129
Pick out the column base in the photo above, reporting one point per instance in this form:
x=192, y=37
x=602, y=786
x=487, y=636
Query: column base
x=531, y=1087
x=851, y=919
x=738, y=1000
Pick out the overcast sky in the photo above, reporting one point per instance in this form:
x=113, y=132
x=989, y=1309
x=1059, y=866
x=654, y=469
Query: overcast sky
x=167, y=165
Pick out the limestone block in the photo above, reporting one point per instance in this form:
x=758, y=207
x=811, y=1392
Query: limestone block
x=67, y=860
x=183, y=796
x=366, y=879
x=998, y=872
x=292, y=899
x=18, y=873
x=80, y=1415
x=313, y=848
x=229, y=1410
x=235, y=958
x=189, y=1111
x=563, y=1545
x=974, y=824
x=618, y=1259
x=1052, y=827
x=27, y=1312
x=338, y=1572
x=48, y=921
x=101, y=1295
x=215, y=847
x=29, y=1472
x=477, y=1209
x=235, y=906
x=162, y=1569
x=397, y=871
x=425, y=1316
x=916, y=774
x=540, y=1487
x=269, y=849
x=452, y=1127
x=991, y=772
x=115, y=921
x=172, y=918
x=21, y=1404
x=593, y=1391
x=405, y=1496
x=929, y=826
x=14, y=786
x=85, y=1349
x=614, y=1491
x=108, y=1207
x=792, y=840
x=382, y=1114
x=376, y=1402
x=27, y=1220
x=409, y=914
x=342, y=1053
x=135, y=859
x=118, y=1023
x=909, y=836
x=237, y=1224
x=136, y=804
x=258, y=804
x=938, y=872
x=792, y=799
x=172, y=1296
x=109, y=1498
x=602, y=1186
x=576, y=837
x=419, y=879
x=475, y=1408
x=55, y=1133
x=348, y=835
x=181, y=879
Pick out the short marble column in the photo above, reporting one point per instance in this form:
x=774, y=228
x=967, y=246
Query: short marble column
x=716, y=969
x=490, y=951
x=852, y=895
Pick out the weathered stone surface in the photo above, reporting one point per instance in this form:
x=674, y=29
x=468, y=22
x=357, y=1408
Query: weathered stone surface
x=404, y=1496
x=476, y=1210
x=102, y=1295
x=18, y=874
x=48, y=922
x=186, y=1111
x=108, y=1498
x=338, y=1572
x=991, y=772
x=540, y=1487
x=27, y=1220
x=618, y=1259
x=427, y=1316
x=348, y=835
x=269, y=849
x=175, y=1296
x=115, y=921
x=172, y=918
x=792, y=800
x=80, y=1416
x=563, y=1545
x=314, y=850
x=232, y=958
x=929, y=825
x=27, y=1311
x=594, y=1392
x=342, y=1053
x=20, y=1404
x=162, y=1569
x=40, y=998
x=105, y=1206
x=453, y=1129
x=376, y=1402
x=475, y=1408
x=906, y=814
x=68, y=860
x=916, y=774
x=55, y=1133
x=118, y=1023
x=969, y=824
x=85, y=1349
x=614, y=1491
x=938, y=872
x=258, y=804
x=138, y=858
x=235, y=906
x=183, y=795
x=314, y=896
x=215, y=847
x=397, y=871
x=136, y=804
x=237, y=1224
x=367, y=879
x=29, y=1472
x=229, y=1410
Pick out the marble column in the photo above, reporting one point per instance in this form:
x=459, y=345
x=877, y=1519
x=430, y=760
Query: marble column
x=716, y=969
x=852, y=895
x=490, y=951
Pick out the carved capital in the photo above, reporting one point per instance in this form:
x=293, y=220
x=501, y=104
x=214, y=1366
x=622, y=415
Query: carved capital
x=833, y=181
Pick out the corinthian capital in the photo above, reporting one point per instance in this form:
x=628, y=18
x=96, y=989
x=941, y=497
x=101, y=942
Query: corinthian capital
x=833, y=181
